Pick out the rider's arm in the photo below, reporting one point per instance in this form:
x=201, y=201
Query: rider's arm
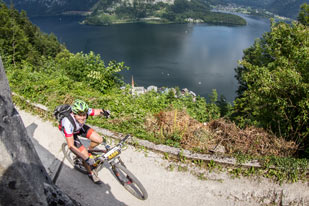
x=95, y=112
x=68, y=129
x=75, y=150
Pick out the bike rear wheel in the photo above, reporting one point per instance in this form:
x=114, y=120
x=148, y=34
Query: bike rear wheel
x=129, y=181
x=76, y=162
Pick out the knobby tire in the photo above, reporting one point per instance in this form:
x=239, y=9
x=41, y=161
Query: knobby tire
x=129, y=181
x=122, y=174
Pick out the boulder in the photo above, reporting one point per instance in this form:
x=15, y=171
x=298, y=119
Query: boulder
x=23, y=178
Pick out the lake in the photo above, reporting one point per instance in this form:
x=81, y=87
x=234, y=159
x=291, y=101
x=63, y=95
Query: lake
x=199, y=57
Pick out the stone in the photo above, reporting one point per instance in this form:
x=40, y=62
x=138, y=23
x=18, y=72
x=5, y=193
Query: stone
x=23, y=178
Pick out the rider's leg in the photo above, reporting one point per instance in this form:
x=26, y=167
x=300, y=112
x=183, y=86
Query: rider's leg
x=92, y=174
x=95, y=138
x=83, y=150
x=92, y=135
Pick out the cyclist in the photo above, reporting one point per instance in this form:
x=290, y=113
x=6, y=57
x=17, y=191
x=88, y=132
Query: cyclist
x=74, y=125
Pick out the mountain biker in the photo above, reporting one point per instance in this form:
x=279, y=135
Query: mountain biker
x=80, y=113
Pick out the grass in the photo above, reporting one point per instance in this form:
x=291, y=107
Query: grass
x=279, y=169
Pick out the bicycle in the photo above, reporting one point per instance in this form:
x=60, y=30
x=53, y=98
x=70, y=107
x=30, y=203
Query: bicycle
x=110, y=158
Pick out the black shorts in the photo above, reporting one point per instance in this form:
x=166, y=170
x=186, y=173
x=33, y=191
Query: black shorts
x=85, y=131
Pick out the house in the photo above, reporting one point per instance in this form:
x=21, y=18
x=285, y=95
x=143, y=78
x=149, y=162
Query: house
x=152, y=88
x=138, y=90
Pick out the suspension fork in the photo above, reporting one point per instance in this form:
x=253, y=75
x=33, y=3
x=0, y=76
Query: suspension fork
x=121, y=162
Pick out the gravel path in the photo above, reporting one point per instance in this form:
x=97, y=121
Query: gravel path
x=165, y=187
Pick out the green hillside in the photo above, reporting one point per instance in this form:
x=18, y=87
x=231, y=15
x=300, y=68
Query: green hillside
x=287, y=8
x=22, y=41
x=107, y=12
x=268, y=120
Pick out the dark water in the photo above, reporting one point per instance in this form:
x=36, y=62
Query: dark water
x=199, y=57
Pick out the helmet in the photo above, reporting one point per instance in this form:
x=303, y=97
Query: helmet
x=79, y=106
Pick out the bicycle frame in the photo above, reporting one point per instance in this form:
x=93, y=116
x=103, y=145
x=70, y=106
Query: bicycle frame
x=112, y=161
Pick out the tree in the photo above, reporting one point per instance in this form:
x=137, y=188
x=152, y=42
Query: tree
x=13, y=40
x=21, y=40
x=303, y=16
x=274, y=83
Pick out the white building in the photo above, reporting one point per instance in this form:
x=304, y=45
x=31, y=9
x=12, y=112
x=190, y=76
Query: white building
x=138, y=90
x=152, y=88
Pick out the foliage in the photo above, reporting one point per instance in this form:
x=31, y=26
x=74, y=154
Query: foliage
x=42, y=8
x=288, y=8
x=182, y=11
x=181, y=6
x=224, y=106
x=91, y=69
x=274, y=82
x=280, y=169
x=285, y=168
x=169, y=118
x=303, y=16
x=21, y=40
x=62, y=77
x=102, y=19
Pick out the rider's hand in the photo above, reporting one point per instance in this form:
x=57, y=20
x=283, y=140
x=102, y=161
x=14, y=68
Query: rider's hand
x=106, y=113
x=90, y=161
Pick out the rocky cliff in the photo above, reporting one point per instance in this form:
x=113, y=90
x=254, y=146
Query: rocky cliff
x=23, y=178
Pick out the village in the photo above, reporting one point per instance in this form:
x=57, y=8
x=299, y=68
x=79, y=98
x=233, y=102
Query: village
x=139, y=90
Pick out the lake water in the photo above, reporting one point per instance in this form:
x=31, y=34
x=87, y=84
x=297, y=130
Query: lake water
x=199, y=57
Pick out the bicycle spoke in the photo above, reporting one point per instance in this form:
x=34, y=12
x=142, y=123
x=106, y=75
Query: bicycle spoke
x=129, y=182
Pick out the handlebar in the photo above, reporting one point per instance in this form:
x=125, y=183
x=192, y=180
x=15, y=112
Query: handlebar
x=114, y=151
x=123, y=140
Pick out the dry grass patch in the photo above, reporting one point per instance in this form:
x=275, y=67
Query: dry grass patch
x=252, y=140
x=177, y=128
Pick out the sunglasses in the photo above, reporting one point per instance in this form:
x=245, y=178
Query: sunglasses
x=82, y=113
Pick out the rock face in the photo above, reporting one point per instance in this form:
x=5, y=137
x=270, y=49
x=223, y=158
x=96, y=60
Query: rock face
x=23, y=178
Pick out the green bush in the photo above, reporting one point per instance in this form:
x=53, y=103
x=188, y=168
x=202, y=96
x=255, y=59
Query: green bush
x=91, y=69
x=274, y=83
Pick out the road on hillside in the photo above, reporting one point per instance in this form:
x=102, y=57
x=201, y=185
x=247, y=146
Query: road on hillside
x=165, y=187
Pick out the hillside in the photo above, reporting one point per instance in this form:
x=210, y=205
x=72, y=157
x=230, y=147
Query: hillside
x=287, y=8
x=268, y=120
x=107, y=12
x=47, y=7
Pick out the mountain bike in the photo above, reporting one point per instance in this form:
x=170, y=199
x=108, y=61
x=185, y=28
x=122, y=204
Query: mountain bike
x=110, y=159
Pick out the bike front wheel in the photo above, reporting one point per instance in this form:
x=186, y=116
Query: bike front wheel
x=129, y=181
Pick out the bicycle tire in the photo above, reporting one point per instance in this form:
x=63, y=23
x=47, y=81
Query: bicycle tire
x=129, y=181
x=70, y=156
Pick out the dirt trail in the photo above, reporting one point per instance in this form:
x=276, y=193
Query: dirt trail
x=164, y=187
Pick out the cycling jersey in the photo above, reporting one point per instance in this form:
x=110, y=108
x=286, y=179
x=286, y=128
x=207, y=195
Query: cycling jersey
x=68, y=127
